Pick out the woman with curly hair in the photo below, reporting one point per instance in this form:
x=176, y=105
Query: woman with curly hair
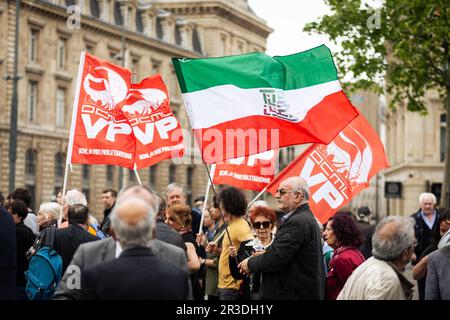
x=343, y=236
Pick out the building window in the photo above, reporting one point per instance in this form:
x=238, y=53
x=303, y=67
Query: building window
x=33, y=45
x=61, y=53
x=60, y=107
x=443, y=133
x=177, y=36
x=196, y=41
x=134, y=70
x=59, y=171
x=70, y=3
x=85, y=173
x=118, y=19
x=30, y=173
x=172, y=173
x=159, y=29
x=139, y=22
x=153, y=170
x=95, y=10
x=32, y=100
x=109, y=176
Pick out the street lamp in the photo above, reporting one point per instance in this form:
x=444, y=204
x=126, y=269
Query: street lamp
x=13, y=123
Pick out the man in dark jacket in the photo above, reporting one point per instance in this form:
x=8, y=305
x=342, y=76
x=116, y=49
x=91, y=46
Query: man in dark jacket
x=137, y=273
x=24, y=240
x=109, y=201
x=292, y=267
x=7, y=256
x=67, y=240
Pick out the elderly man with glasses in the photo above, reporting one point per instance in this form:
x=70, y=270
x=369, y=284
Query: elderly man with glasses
x=292, y=267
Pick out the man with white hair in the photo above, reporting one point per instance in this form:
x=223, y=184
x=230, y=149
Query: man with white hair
x=426, y=224
x=137, y=273
x=381, y=276
x=292, y=267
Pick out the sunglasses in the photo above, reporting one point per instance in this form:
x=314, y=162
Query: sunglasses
x=264, y=224
x=282, y=192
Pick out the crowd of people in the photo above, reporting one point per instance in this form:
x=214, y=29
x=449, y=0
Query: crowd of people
x=151, y=246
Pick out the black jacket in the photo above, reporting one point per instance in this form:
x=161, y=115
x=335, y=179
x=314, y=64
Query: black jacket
x=68, y=240
x=25, y=239
x=169, y=235
x=292, y=267
x=423, y=233
x=136, y=275
x=7, y=256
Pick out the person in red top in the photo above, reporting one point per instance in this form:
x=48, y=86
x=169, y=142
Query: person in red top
x=343, y=236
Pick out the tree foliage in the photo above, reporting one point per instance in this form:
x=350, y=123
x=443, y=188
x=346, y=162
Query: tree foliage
x=405, y=42
x=401, y=46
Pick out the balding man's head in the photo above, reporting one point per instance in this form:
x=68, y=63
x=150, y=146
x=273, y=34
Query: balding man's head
x=140, y=192
x=133, y=222
x=393, y=236
x=292, y=193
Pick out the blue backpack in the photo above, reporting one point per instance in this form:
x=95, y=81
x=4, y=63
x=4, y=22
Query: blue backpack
x=45, y=269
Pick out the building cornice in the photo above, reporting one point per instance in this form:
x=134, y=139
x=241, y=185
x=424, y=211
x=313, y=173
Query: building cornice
x=416, y=166
x=237, y=16
x=110, y=30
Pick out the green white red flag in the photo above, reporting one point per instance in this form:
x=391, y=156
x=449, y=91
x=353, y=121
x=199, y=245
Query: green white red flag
x=247, y=104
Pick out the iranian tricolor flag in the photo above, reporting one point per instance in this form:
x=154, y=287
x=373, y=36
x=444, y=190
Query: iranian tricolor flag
x=247, y=104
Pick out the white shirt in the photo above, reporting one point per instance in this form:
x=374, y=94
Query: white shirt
x=118, y=249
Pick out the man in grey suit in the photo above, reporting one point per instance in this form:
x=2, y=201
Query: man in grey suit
x=94, y=253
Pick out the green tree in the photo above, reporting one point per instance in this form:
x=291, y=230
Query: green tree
x=401, y=47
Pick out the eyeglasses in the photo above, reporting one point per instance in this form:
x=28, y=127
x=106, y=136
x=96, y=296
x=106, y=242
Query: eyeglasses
x=264, y=224
x=282, y=192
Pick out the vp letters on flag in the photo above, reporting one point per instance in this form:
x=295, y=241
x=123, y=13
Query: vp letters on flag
x=336, y=172
x=247, y=104
x=118, y=123
x=253, y=172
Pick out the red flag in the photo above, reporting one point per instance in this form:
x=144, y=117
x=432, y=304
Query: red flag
x=336, y=172
x=100, y=134
x=118, y=123
x=157, y=131
x=251, y=172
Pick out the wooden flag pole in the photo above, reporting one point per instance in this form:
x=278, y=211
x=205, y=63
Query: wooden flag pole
x=215, y=193
x=213, y=168
x=137, y=175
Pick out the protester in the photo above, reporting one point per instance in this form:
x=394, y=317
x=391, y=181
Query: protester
x=292, y=267
x=109, y=201
x=178, y=216
x=213, y=250
x=7, y=256
x=381, y=276
x=176, y=194
x=419, y=271
x=25, y=196
x=426, y=221
x=67, y=240
x=163, y=231
x=137, y=273
x=366, y=229
x=199, y=202
x=2, y=199
x=24, y=239
x=438, y=271
x=327, y=251
x=232, y=203
x=48, y=215
x=263, y=221
x=343, y=236
x=73, y=197
x=98, y=252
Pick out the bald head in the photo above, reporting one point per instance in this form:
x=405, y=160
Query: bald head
x=133, y=222
x=292, y=193
x=142, y=193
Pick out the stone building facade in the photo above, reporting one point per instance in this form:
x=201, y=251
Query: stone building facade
x=416, y=149
x=151, y=32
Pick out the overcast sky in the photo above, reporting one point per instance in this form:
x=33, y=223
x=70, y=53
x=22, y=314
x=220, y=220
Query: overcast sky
x=287, y=18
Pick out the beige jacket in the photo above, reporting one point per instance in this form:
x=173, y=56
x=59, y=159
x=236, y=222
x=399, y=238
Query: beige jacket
x=376, y=280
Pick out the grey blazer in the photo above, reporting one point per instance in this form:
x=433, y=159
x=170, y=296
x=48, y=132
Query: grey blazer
x=93, y=253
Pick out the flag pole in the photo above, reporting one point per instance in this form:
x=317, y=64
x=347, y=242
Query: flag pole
x=215, y=194
x=257, y=197
x=137, y=175
x=72, y=131
x=213, y=168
